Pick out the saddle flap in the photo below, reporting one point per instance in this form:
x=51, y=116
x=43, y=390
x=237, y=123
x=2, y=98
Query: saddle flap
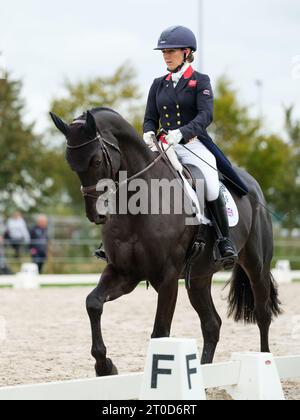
x=232, y=210
x=192, y=173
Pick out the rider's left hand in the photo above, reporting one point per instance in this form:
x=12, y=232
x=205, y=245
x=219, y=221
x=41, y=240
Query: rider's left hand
x=174, y=137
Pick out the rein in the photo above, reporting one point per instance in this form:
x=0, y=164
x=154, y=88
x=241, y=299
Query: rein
x=162, y=155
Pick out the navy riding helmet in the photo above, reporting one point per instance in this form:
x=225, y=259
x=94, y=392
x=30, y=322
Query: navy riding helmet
x=177, y=37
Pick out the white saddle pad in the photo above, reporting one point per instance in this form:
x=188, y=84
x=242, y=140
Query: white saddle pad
x=232, y=210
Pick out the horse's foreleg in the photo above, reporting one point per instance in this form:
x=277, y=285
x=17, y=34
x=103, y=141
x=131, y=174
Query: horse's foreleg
x=167, y=298
x=112, y=285
x=201, y=300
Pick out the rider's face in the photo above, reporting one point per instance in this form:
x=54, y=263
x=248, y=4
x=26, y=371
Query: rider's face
x=174, y=57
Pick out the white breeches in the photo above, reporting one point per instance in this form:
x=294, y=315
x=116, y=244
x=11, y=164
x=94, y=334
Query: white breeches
x=209, y=169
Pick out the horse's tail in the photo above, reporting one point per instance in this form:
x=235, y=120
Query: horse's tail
x=274, y=303
x=241, y=299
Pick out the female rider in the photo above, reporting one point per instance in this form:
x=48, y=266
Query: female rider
x=182, y=104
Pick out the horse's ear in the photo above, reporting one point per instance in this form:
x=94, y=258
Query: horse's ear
x=59, y=124
x=91, y=124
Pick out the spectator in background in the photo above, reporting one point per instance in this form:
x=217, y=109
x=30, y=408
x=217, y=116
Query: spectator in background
x=39, y=242
x=4, y=269
x=17, y=233
x=3, y=266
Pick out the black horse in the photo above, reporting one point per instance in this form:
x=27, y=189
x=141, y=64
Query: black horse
x=154, y=247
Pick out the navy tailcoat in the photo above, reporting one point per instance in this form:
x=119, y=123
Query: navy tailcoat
x=188, y=107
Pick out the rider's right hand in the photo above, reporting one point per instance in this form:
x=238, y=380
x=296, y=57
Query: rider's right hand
x=148, y=138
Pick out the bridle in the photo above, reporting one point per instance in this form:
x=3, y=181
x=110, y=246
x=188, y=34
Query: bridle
x=98, y=137
x=91, y=191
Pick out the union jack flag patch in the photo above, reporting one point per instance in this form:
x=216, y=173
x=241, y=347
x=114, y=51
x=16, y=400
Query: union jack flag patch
x=206, y=92
x=230, y=212
x=192, y=83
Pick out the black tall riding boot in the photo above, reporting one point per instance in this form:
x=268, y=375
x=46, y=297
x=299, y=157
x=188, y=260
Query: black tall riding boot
x=100, y=253
x=225, y=246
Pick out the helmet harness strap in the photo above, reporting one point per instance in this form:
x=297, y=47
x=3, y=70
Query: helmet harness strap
x=182, y=64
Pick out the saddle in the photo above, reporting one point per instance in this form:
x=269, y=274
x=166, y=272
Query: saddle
x=193, y=174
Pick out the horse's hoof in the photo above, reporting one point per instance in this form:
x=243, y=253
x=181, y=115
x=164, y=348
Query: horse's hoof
x=109, y=370
x=114, y=370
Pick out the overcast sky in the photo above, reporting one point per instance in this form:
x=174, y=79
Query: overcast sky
x=248, y=40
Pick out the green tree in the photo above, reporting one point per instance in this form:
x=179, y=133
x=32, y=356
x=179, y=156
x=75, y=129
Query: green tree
x=234, y=130
x=265, y=156
x=293, y=129
x=288, y=201
x=119, y=91
x=23, y=181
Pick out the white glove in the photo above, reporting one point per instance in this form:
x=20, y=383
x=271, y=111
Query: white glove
x=174, y=137
x=148, y=138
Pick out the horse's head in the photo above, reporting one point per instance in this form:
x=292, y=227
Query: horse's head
x=91, y=156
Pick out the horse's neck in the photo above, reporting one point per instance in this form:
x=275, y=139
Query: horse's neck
x=136, y=155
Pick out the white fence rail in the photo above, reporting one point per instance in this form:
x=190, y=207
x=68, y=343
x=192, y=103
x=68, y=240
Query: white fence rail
x=55, y=280
x=288, y=367
x=253, y=376
x=282, y=274
x=123, y=387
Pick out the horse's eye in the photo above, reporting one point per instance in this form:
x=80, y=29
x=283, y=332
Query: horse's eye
x=98, y=162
